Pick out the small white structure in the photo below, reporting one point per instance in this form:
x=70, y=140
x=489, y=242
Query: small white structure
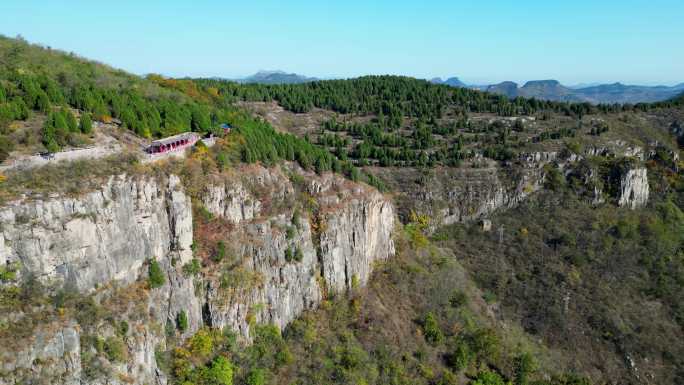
x=486, y=225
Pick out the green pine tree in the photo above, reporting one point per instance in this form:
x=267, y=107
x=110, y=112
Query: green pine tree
x=72, y=123
x=86, y=124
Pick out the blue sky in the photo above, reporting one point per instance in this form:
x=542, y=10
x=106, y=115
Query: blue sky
x=480, y=41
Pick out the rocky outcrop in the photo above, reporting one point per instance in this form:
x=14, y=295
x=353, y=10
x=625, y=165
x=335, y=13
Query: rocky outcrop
x=634, y=188
x=449, y=195
x=231, y=202
x=293, y=237
x=354, y=237
x=86, y=244
x=53, y=357
x=292, y=262
x=98, y=238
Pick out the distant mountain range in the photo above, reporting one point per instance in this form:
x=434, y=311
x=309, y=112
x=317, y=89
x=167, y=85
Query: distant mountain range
x=601, y=93
x=453, y=81
x=276, y=77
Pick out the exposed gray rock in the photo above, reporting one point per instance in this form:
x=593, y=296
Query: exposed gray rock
x=634, y=188
x=355, y=237
x=265, y=287
x=99, y=243
x=53, y=357
x=354, y=227
x=232, y=202
x=100, y=237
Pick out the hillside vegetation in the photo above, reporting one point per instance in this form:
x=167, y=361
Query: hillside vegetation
x=397, y=121
x=52, y=84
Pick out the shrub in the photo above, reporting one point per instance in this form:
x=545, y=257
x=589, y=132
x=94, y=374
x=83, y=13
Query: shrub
x=525, y=366
x=123, y=328
x=115, y=349
x=256, y=377
x=220, y=253
x=554, y=178
x=290, y=232
x=296, y=219
x=182, y=321
x=6, y=146
x=202, y=343
x=289, y=254
x=156, y=275
x=269, y=348
x=485, y=343
x=169, y=328
x=299, y=255
x=487, y=377
x=192, y=268
x=221, y=372
x=433, y=333
x=458, y=298
x=461, y=357
x=222, y=160
x=8, y=273
x=71, y=122
x=355, y=282
x=205, y=214
x=489, y=296
x=86, y=124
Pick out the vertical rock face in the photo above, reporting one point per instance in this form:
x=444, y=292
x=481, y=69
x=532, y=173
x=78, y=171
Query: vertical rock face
x=265, y=287
x=88, y=243
x=231, y=202
x=103, y=236
x=288, y=246
x=354, y=238
x=452, y=195
x=350, y=230
x=57, y=347
x=634, y=188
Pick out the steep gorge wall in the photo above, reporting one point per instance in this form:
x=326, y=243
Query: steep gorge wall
x=99, y=243
x=450, y=195
x=103, y=236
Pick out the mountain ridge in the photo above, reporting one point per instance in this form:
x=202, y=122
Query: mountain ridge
x=601, y=93
x=554, y=90
x=276, y=77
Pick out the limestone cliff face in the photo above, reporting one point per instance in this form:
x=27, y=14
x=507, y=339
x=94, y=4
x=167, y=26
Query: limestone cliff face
x=284, y=257
x=101, y=237
x=454, y=195
x=634, y=188
x=449, y=195
x=348, y=230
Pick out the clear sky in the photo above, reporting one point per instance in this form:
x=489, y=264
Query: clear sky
x=578, y=41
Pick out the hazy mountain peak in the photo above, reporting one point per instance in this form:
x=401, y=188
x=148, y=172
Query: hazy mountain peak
x=276, y=77
x=269, y=72
x=542, y=83
x=452, y=81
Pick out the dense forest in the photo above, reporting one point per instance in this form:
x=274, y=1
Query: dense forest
x=391, y=96
x=55, y=84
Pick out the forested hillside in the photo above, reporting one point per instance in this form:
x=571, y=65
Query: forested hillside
x=399, y=121
x=54, y=85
